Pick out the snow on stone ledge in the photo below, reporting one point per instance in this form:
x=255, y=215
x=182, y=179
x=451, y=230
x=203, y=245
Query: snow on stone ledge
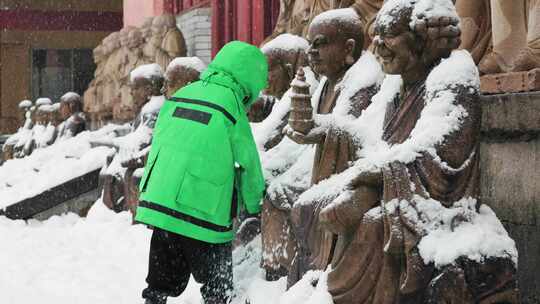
x=193, y=63
x=286, y=42
x=146, y=71
x=336, y=15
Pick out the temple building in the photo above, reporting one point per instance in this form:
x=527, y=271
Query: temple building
x=46, y=45
x=46, y=49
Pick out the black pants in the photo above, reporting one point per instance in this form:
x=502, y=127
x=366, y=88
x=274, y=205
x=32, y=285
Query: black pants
x=174, y=257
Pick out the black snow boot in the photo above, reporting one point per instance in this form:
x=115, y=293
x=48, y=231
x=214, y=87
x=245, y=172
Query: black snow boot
x=154, y=297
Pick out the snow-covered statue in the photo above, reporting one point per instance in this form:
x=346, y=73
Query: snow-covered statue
x=181, y=72
x=350, y=79
x=285, y=54
x=427, y=239
x=13, y=147
x=44, y=130
x=145, y=83
x=166, y=42
x=93, y=96
x=73, y=119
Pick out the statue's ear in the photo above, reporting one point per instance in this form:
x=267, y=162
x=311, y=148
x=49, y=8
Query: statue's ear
x=290, y=70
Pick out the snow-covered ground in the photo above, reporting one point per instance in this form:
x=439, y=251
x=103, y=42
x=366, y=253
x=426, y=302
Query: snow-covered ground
x=102, y=259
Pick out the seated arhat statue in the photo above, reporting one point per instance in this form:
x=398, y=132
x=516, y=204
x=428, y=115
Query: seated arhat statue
x=15, y=143
x=180, y=72
x=73, y=119
x=405, y=247
x=285, y=54
x=336, y=52
x=145, y=85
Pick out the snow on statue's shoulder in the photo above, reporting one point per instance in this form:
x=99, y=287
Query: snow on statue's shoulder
x=340, y=15
x=153, y=105
x=457, y=70
x=193, y=63
x=25, y=104
x=146, y=71
x=287, y=42
x=43, y=101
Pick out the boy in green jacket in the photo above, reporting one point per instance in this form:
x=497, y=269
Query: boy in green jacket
x=203, y=163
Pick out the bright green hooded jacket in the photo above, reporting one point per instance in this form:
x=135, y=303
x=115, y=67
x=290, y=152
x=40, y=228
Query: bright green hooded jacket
x=203, y=161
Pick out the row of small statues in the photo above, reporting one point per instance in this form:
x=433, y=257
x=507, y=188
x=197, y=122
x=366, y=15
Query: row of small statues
x=503, y=36
x=370, y=248
x=44, y=124
x=108, y=97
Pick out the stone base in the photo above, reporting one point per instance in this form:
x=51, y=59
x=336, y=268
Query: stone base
x=511, y=82
x=509, y=183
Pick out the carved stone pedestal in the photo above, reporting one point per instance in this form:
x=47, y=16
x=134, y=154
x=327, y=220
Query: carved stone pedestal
x=511, y=82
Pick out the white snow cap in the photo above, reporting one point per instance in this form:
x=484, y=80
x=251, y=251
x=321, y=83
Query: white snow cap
x=25, y=104
x=286, y=42
x=43, y=101
x=49, y=107
x=189, y=62
x=341, y=14
x=421, y=9
x=146, y=71
x=70, y=95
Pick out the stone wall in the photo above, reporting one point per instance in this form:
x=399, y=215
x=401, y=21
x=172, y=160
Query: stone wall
x=510, y=180
x=196, y=26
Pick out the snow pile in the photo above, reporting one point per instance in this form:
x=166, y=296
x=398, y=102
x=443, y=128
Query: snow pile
x=286, y=42
x=68, y=259
x=341, y=15
x=193, y=63
x=461, y=231
x=43, y=135
x=43, y=101
x=45, y=168
x=147, y=71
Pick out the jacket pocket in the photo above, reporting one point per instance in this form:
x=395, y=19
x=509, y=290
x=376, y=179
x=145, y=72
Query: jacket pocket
x=202, y=187
x=148, y=170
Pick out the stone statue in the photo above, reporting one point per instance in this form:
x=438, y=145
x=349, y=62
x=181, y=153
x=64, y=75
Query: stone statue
x=475, y=27
x=181, y=72
x=93, y=96
x=336, y=43
x=111, y=76
x=74, y=121
x=516, y=37
x=15, y=142
x=413, y=180
x=285, y=54
x=166, y=43
x=44, y=131
x=145, y=84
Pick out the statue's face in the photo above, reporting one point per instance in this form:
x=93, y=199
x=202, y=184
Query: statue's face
x=65, y=109
x=178, y=78
x=135, y=38
x=141, y=91
x=279, y=75
x=124, y=38
x=326, y=51
x=395, y=49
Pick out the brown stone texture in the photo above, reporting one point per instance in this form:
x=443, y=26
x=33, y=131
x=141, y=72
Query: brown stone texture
x=511, y=82
x=510, y=183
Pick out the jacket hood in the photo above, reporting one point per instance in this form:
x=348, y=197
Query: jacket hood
x=241, y=66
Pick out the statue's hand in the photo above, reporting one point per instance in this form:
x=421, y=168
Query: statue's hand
x=328, y=221
x=131, y=163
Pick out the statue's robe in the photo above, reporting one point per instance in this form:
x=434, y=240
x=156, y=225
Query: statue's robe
x=475, y=27
x=382, y=264
x=333, y=154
